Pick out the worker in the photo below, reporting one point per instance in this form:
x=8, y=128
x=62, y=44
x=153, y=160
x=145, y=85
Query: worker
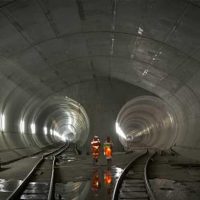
x=95, y=148
x=108, y=148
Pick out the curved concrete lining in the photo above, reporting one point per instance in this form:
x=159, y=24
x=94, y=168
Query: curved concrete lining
x=147, y=121
x=101, y=54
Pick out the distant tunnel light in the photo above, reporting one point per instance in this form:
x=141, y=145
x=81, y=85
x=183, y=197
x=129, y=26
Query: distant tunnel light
x=33, y=129
x=58, y=135
x=22, y=126
x=2, y=122
x=61, y=137
x=119, y=131
x=45, y=130
x=140, y=31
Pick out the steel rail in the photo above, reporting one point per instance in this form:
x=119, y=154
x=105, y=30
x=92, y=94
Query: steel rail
x=50, y=193
x=19, y=190
x=121, y=178
x=147, y=184
x=119, y=182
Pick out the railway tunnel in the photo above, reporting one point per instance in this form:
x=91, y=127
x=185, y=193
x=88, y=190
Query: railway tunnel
x=73, y=69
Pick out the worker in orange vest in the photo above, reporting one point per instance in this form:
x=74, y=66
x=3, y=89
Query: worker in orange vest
x=95, y=148
x=108, y=148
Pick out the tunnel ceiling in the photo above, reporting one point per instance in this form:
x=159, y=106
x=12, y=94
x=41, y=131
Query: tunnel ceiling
x=48, y=46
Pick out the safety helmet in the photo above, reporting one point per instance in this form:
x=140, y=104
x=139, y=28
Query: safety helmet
x=96, y=137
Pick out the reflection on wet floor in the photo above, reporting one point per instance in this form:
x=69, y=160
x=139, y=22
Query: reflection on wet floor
x=36, y=190
x=72, y=190
x=66, y=158
x=108, y=181
x=96, y=181
x=9, y=185
x=100, y=186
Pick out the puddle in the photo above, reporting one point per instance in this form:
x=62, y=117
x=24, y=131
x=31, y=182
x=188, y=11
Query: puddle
x=36, y=190
x=117, y=172
x=66, y=158
x=9, y=185
x=100, y=186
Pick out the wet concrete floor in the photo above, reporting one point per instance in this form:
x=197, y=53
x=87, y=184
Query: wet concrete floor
x=99, y=186
x=78, y=178
x=86, y=180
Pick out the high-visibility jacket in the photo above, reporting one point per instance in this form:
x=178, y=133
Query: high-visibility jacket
x=95, y=148
x=108, y=146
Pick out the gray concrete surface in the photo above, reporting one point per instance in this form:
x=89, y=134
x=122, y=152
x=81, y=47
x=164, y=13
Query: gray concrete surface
x=175, y=177
x=12, y=174
x=67, y=67
x=73, y=69
x=171, y=177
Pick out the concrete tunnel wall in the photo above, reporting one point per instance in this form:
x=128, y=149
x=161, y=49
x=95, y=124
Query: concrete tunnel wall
x=53, y=48
x=101, y=98
x=42, y=110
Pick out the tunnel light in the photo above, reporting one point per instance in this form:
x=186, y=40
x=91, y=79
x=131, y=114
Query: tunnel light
x=2, y=122
x=33, y=129
x=22, y=126
x=45, y=130
x=55, y=133
x=58, y=135
x=118, y=172
x=119, y=131
x=140, y=31
x=145, y=72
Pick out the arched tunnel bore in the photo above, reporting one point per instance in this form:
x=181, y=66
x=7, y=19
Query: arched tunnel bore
x=40, y=124
x=62, y=119
x=147, y=121
x=72, y=69
x=157, y=52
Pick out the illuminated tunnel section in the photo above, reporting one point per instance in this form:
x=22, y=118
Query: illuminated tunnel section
x=147, y=121
x=59, y=119
x=29, y=124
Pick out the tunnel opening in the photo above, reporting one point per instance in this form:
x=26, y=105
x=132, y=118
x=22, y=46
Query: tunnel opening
x=63, y=119
x=147, y=122
x=42, y=124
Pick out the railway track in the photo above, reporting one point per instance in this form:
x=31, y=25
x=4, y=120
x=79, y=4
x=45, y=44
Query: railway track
x=28, y=189
x=133, y=182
